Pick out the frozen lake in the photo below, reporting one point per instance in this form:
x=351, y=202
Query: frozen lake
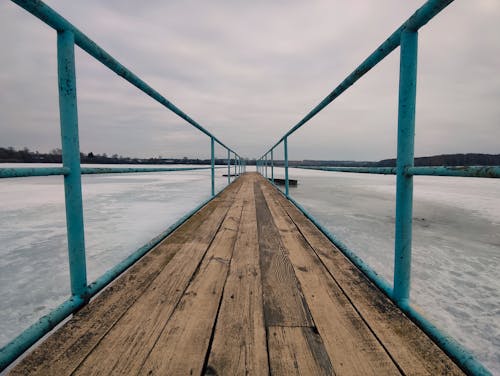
x=456, y=249
x=456, y=244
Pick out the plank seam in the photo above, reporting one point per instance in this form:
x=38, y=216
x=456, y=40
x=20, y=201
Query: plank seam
x=157, y=275
x=342, y=289
x=212, y=333
x=187, y=285
x=133, y=302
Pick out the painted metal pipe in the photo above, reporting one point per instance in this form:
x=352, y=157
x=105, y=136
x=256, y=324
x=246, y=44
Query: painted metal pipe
x=21, y=172
x=36, y=331
x=32, y=334
x=228, y=167
x=356, y=260
x=405, y=158
x=457, y=171
x=118, y=269
x=126, y=170
x=423, y=15
x=272, y=166
x=46, y=14
x=17, y=172
x=450, y=346
x=265, y=165
x=460, y=171
x=212, y=174
x=71, y=160
x=285, y=147
x=360, y=170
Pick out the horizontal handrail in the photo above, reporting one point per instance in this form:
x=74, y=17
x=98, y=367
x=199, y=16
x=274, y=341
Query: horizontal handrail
x=459, y=171
x=18, y=172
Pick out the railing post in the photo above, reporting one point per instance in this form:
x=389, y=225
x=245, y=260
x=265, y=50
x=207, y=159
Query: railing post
x=212, y=150
x=228, y=167
x=265, y=165
x=404, y=182
x=285, y=147
x=272, y=166
x=71, y=159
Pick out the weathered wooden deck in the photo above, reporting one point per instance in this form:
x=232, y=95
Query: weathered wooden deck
x=246, y=286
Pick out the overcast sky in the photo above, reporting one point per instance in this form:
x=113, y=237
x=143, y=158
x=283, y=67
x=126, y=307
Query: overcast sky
x=249, y=71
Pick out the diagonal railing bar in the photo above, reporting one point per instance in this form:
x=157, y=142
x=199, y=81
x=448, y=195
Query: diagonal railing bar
x=423, y=15
x=59, y=23
x=406, y=36
x=67, y=37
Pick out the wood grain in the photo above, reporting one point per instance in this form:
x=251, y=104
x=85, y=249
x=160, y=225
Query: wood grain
x=247, y=285
x=412, y=349
x=124, y=349
x=68, y=346
x=181, y=347
x=297, y=351
x=284, y=303
x=239, y=344
x=352, y=347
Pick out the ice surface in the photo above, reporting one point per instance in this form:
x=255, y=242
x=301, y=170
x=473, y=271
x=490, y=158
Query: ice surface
x=456, y=244
x=121, y=213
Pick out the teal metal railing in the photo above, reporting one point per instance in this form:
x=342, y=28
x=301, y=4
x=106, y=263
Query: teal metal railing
x=406, y=37
x=67, y=37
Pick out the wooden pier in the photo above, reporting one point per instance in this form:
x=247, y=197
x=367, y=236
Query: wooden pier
x=246, y=286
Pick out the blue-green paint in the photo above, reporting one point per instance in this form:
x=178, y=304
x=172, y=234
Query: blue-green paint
x=359, y=170
x=423, y=15
x=59, y=23
x=71, y=160
x=228, y=166
x=28, y=337
x=128, y=170
x=405, y=157
x=285, y=151
x=114, y=272
x=457, y=352
x=272, y=166
x=212, y=169
x=68, y=35
x=457, y=171
x=21, y=172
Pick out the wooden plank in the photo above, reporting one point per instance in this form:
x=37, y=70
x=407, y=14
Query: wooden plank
x=239, y=344
x=297, y=351
x=283, y=300
x=183, y=344
x=409, y=346
x=352, y=347
x=126, y=346
x=66, y=348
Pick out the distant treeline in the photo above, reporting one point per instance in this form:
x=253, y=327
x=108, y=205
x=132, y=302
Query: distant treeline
x=27, y=156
